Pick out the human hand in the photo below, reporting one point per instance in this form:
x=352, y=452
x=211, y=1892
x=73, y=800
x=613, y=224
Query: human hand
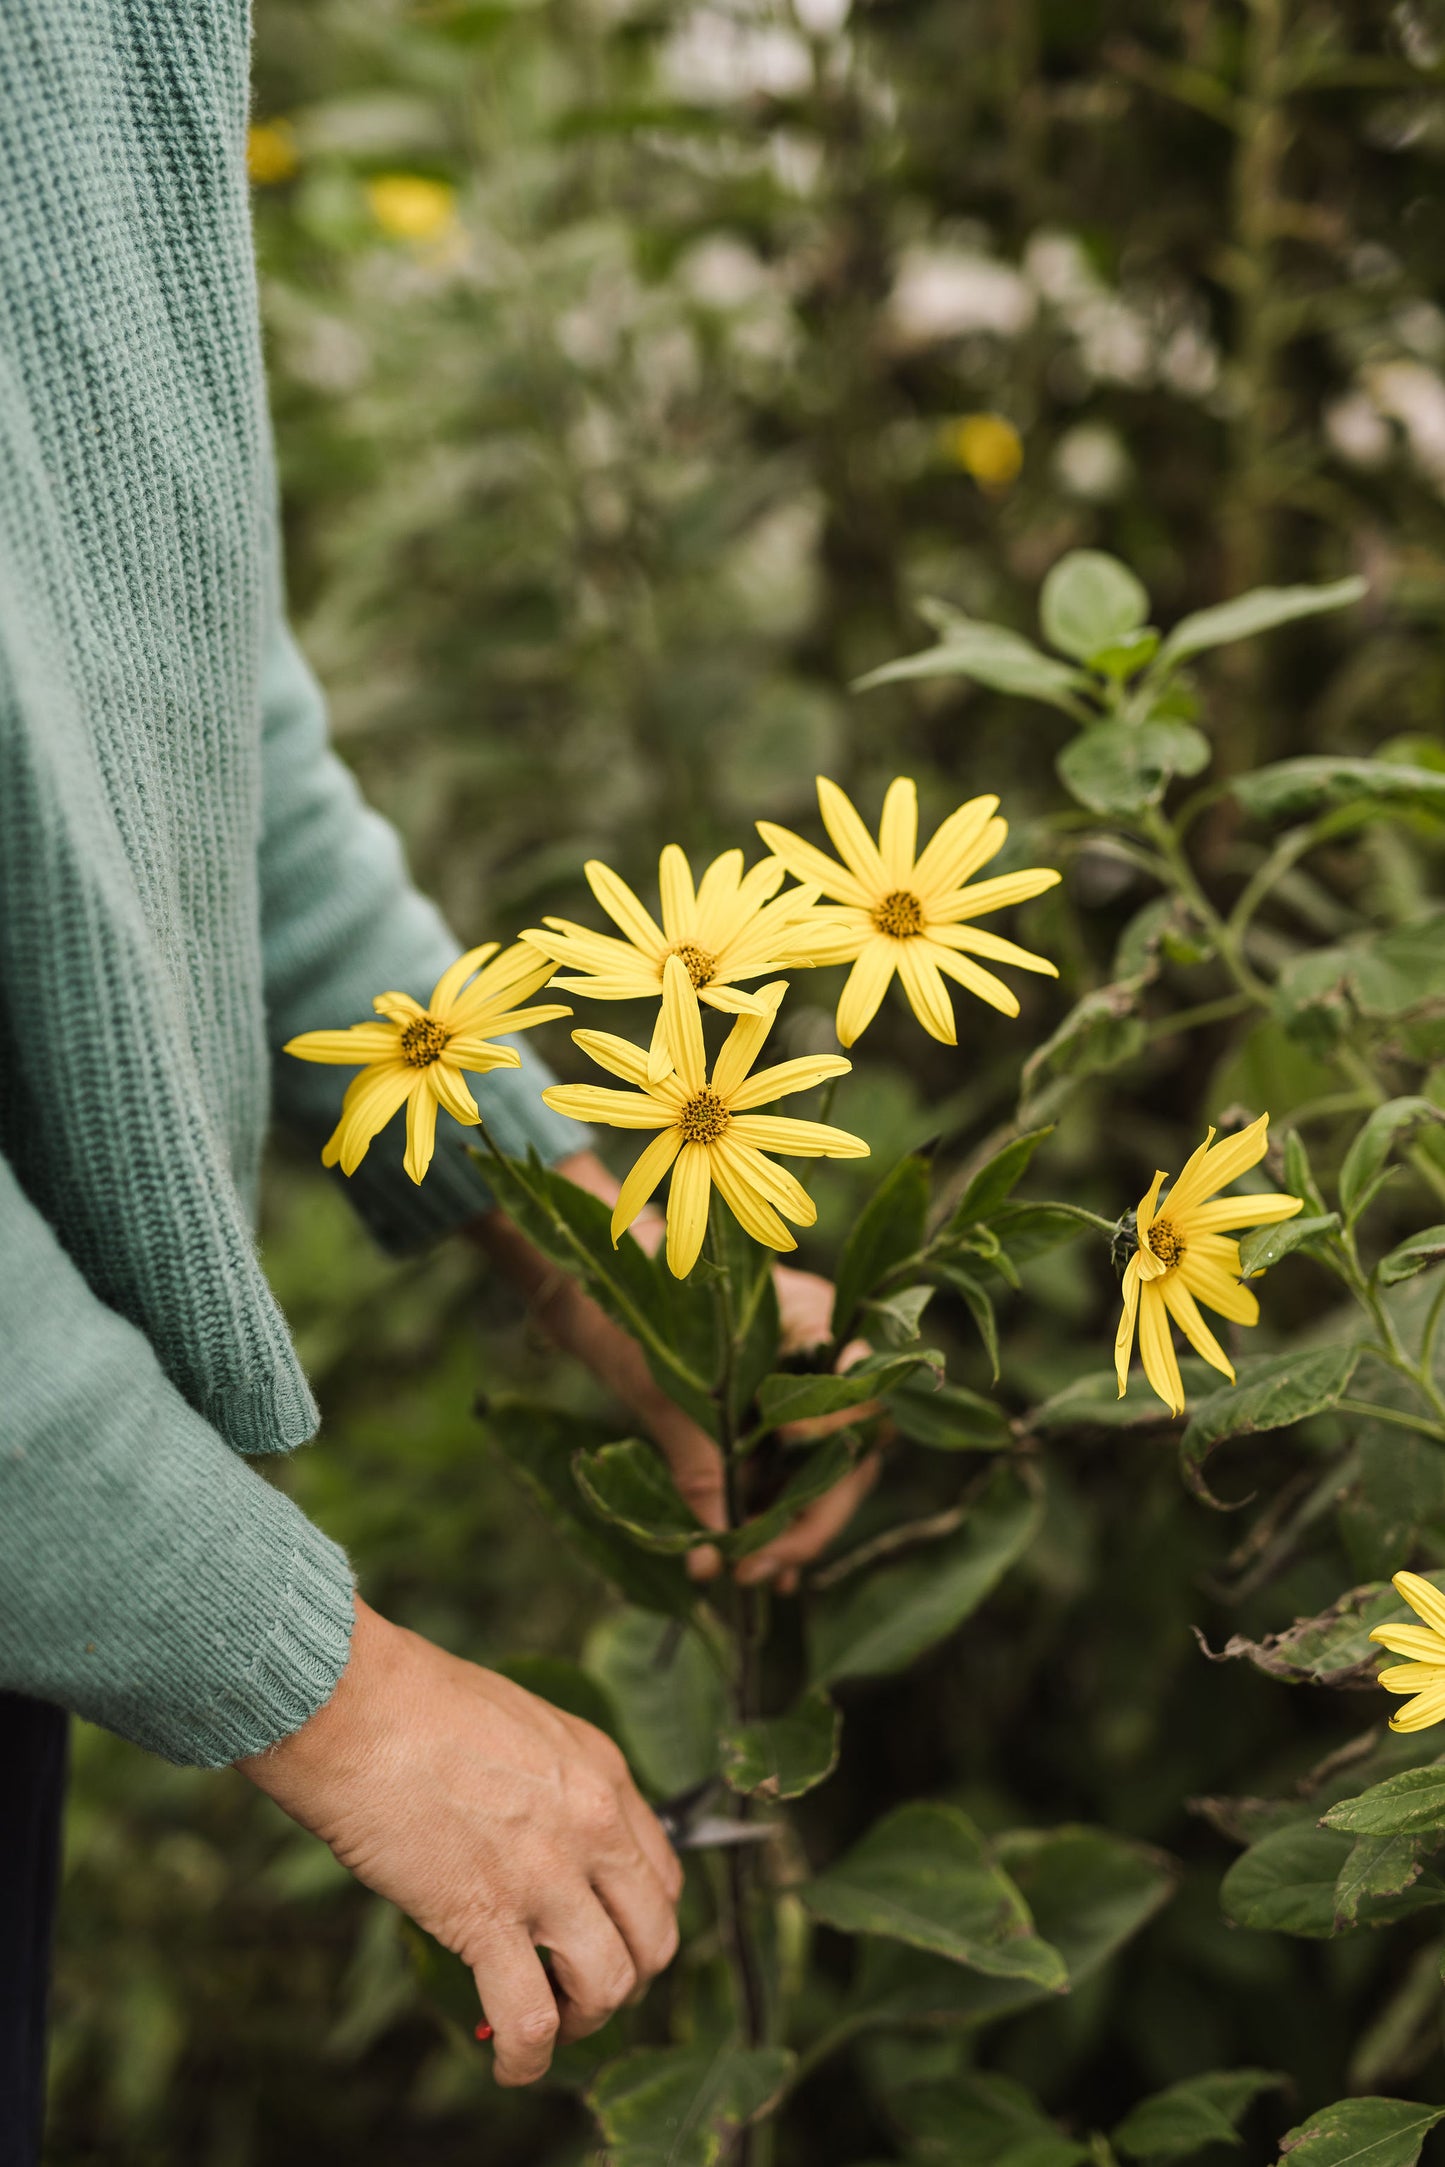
x=805, y=1306
x=498, y=1823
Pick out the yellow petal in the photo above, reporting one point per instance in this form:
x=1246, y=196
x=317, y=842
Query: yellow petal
x=399, y=1008
x=648, y=1171
x=724, y=913
x=778, y=1184
x=1412, y=1678
x=679, y=898
x=849, y=837
x=1420, y=1713
x=657, y=1065
x=478, y=1055
x=358, y=1047
x=898, y=831
x=1237, y=1211
x=684, y=1025
x=717, y=891
x=1144, y=1217
x=975, y=942
x=806, y=863
x=752, y=1210
x=421, y=1129
x=1209, y=1283
x=768, y=1084
x=941, y=865
x=601, y=955
x=450, y=984
x=975, y=980
x=451, y=1091
x=744, y=1042
x=1223, y=1164
x=990, y=895
x=510, y=977
x=623, y=908
x=613, y=1109
x=483, y=1028
x=1420, y=1642
x=1124, y=1337
x=868, y=981
x=927, y=995
x=1424, y=1598
x=1156, y=1347
x=1182, y=1307
x=687, y=1202
x=731, y=1000
x=371, y=1100
x=617, y=1055
x=798, y=1139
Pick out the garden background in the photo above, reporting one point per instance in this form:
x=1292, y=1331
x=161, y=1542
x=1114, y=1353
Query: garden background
x=637, y=366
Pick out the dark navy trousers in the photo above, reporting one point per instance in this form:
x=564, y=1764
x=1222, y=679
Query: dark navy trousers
x=32, y=1793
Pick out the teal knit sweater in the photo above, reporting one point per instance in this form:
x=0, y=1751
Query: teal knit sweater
x=187, y=878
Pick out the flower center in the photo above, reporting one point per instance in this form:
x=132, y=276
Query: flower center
x=899, y=915
x=704, y=1118
x=422, y=1042
x=1166, y=1241
x=700, y=965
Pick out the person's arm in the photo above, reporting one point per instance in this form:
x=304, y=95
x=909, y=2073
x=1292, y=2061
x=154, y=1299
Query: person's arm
x=149, y=1579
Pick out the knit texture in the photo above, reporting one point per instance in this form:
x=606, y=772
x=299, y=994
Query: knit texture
x=187, y=877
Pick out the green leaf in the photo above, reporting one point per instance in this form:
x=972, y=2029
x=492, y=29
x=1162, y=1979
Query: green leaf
x=974, y=1295
x=1093, y=1402
x=1285, y=1883
x=924, y=1876
x=801, y=1397
x=1412, y=1256
x=888, y=1230
x=996, y=1179
x=1304, y=788
x=887, y=1618
x=983, y=2121
x=1246, y=615
x=1333, y=1648
x=1264, y=1246
x=542, y=1443
x=566, y=1685
x=823, y=1466
x=784, y=1756
x=1371, y=1147
x=1032, y=1230
x=1361, y=2133
x=1100, y=1032
x=897, y=1318
x=1090, y=602
x=1299, y=1175
x=989, y=655
x=668, y=1692
x=1269, y=1396
x=683, y=2106
x=629, y=1485
x=950, y=1419
x=1126, y=657
x=1089, y=1891
x=1326, y=995
x=1377, y=1866
x=1121, y=767
x=1200, y=2111
x=1409, y=1804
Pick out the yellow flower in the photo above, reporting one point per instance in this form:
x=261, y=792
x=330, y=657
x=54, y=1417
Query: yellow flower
x=409, y=207
x=1185, y=1257
x=417, y=1056
x=1424, y=1675
x=727, y=928
x=909, y=912
x=708, y=1132
x=985, y=446
x=271, y=153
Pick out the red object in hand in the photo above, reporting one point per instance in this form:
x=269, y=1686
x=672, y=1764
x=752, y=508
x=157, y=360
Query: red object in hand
x=484, y=2033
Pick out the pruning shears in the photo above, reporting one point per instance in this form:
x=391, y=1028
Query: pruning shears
x=688, y=1826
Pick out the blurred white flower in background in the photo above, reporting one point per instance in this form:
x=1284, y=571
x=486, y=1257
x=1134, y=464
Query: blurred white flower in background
x=942, y=292
x=1090, y=462
x=1357, y=431
x=713, y=58
x=1414, y=396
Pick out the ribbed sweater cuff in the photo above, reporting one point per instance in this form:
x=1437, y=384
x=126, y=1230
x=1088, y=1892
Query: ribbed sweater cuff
x=296, y=1667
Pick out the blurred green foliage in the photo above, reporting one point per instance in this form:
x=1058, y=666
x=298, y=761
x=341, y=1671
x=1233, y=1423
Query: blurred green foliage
x=611, y=457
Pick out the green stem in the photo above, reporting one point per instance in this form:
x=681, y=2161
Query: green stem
x=1393, y=1416
x=1194, y=1019
x=1432, y=1326
x=1231, y=955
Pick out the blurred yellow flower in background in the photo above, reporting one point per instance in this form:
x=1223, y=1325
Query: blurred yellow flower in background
x=726, y=928
x=1185, y=1253
x=271, y=153
x=1424, y=1674
x=417, y=1057
x=985, y=446
x=907, y=911
x=410, y=207
x=709, y=1134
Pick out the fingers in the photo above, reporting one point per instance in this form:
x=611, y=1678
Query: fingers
x=805, y=1308
x=694, y=1463
x=592, y=1965
x=812, y=1531
x=520, y=2006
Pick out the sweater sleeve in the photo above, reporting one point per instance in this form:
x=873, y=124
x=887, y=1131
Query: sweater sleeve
x=342, y=922
x=149, y=1579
